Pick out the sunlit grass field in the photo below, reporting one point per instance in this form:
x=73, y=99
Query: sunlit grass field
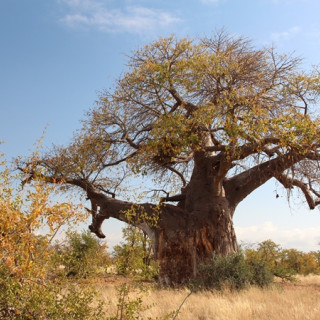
x=282, y=301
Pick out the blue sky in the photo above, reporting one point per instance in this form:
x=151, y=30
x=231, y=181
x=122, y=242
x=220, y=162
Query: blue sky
x=57, y=55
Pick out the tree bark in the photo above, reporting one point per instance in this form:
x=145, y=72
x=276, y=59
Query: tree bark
x=180, y=247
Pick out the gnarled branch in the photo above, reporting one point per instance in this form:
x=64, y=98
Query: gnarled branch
x=289, y=183
x=241, y=185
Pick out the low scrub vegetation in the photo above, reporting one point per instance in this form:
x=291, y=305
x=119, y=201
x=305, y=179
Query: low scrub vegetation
x=234, y=272
x=284, y=263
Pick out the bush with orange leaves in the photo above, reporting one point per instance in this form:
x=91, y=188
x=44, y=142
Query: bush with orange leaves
x=29, y=221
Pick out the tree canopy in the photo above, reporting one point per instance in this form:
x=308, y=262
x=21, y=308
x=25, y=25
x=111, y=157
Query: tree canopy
x=220, y=95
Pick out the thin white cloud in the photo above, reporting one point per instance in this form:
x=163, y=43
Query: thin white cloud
x=305, y=239
x=132, y=19
x=286, y=35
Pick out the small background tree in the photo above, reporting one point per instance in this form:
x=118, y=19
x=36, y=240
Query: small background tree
x=271, y=254
x=134, y=255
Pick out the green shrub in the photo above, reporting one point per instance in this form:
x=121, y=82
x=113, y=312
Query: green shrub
x=261, y=276
x=233, y=272
x=36, y=299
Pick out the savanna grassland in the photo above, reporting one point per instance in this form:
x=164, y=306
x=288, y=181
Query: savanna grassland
x=282, y=301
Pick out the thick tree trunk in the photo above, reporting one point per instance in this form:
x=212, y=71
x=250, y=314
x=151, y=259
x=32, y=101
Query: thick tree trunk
x=206, y=226
x=180, y=248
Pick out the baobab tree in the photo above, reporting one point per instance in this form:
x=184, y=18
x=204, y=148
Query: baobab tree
x=208, y=122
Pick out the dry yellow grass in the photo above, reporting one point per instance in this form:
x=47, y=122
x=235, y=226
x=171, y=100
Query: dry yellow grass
x=289, y=301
